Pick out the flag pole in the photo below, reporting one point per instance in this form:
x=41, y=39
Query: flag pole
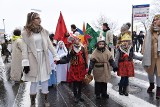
x=132, y=29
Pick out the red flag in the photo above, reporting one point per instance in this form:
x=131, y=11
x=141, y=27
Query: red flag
x=61, y=30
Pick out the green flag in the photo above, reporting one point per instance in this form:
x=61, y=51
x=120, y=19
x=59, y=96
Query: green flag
x=93, y=40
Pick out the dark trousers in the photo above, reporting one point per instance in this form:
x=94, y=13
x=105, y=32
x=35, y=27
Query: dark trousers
x=135, y=45
x=124, y=81
x=100, y=88
x=77, y=86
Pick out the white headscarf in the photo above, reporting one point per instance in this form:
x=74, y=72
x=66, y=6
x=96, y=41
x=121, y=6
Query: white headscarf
x=61, y=52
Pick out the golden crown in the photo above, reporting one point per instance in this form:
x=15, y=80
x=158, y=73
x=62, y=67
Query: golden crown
x=126, y=37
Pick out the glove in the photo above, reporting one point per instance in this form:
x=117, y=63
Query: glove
x=115, y=69
x=26, y=69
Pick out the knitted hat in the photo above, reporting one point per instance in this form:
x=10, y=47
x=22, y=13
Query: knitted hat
x=125, y=27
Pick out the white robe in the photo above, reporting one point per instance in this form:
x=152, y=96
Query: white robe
x=61, y=69
x=42, y=68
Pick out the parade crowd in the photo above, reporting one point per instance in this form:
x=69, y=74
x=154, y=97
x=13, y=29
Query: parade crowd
x=39, y=58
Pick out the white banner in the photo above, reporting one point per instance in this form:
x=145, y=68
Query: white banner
x=141, y=12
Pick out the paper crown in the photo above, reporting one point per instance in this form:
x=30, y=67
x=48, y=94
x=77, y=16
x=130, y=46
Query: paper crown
x=126, y=37
x=76, y=33
x=100, y=38
x=73, y=37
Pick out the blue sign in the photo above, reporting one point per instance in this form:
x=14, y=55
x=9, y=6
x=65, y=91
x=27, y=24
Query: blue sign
x=141, y=6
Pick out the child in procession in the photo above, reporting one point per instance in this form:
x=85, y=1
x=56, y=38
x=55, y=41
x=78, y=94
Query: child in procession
x=100, y=62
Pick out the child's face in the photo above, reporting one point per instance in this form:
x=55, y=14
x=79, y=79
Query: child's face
x=77, y=41
x=125, y=43
x=101, y=44
x=60, y=46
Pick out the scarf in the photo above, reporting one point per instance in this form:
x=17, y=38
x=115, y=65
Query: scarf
x=14, y=37
x=36, y=29
x=125, y=49
x=147, y=47
x=156, y=29
x=77, y=48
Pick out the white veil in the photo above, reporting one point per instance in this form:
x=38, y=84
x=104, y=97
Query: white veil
x=61, y=52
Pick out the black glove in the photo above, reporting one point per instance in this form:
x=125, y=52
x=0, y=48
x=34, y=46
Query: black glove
x=26, y=69
x=115, y=69
x=57, y=62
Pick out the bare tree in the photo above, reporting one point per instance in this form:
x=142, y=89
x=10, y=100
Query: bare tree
x=103, y=19
x=154, y=9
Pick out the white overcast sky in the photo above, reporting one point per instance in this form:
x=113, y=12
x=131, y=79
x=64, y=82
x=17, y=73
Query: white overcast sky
x=74, y=11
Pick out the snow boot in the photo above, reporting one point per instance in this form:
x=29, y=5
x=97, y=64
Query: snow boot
x=46, y=102
x=33, y=102
x=125, y=91
x=150, y=88
x=120, y=90
x=158, y=93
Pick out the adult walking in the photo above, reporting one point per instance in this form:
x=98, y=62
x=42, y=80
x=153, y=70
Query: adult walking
x=140, y=39
x=108, y=37
x=35, y=56
x=151, y=55
x=17, y=48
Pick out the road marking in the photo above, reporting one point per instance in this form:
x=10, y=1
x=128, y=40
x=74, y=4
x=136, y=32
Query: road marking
x=62, y=96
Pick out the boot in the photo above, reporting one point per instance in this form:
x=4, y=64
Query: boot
x=125, y=92
x=33, y=102
x=76, y=100
x=158, y=93
x=120, y=90
x=46, y=102
x=104, y=91
x=98, y=96
x=81, y=99
x=105, y=96
x=150, y=88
